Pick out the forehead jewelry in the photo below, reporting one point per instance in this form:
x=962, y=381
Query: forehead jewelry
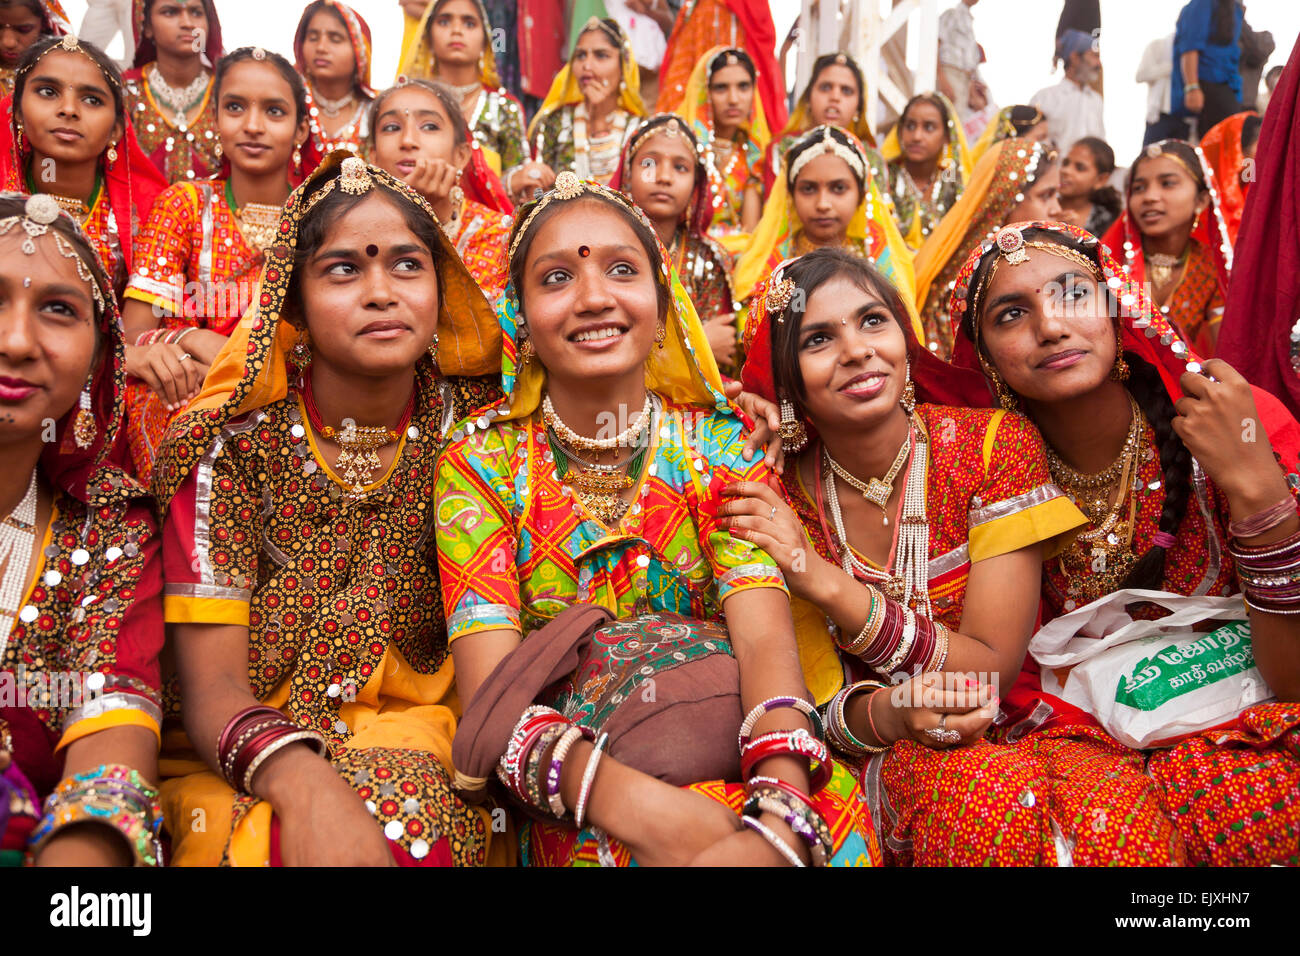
x=259, y=53
x=584, y=251
x=70, y=43
x=778, y=297
x=39, y=212
x=569, y=186
x=828, y=144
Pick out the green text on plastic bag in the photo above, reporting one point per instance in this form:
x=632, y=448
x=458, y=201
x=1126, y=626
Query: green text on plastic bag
x=1178, y=669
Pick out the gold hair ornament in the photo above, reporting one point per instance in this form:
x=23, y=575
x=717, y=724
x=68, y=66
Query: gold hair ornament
x=39, y=214
x=828, y=144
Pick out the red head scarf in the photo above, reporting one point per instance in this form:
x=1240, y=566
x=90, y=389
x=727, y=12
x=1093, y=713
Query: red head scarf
x=147, y=52
x=358, y=32
x=699, y=212
x=1260, y=335
x=54, y=21
x=131, y=182
x=1222, y=149
x=1210, y=228
x=936, y=382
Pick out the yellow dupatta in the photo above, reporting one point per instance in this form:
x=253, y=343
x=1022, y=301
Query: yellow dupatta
x=564, y=88
x=417, y=59
x=872, y=224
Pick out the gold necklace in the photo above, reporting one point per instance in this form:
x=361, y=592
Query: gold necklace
x=874, y=490
x=1162, y=267
x=259, y=222
x=73, y=207
x=1092, y=492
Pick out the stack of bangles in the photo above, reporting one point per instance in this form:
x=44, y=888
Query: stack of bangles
x=1270, y=573
x=767, y=794
x=536, y=784
x=895, y=639
x=252, y=736
x=113, y=795
x=166, y=336
x=837, y=728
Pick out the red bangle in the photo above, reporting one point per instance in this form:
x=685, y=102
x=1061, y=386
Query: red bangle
x=254, y=747
x=799, y=744
x=871, y=721
x=229, y=732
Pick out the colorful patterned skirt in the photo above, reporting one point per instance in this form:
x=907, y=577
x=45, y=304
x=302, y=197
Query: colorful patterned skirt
x=1235, y=794
x=842, y=805
x=1067, y=796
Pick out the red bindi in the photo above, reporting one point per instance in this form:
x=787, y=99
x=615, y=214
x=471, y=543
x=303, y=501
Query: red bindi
x=584, y=251
x=372, y=250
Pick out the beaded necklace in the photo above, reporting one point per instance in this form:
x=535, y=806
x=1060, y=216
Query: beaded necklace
x=258, y=221
x=597, y=157
x=598, y=486
x=17, y=535
x=359, y=445
x=180, y=100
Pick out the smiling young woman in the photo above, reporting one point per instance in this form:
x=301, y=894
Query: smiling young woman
x=1179, y=499
x=1172, y=235
x=941, y=557
x=69, y=137
x=299, y=504
x=202, y=247
x=169, y=89
x=598, y=482
x=80, y=597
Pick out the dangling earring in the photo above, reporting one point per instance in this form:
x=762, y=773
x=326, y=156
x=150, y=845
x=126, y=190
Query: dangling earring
x=297, y=161
x=433, y=349
x=1119, y=373
x=112, y=153
x=793, y=434
x=300, y=354
x=83, y=426
x=218, y=150
x=21, y=131
x=526, y=351
x=908, y=401
x=661, y=334
x=1006, y=398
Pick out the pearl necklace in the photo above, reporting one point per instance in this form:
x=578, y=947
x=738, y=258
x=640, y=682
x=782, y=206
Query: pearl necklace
x=623, y=439
x=875, y=490
x=464, y=91
x=912, y=552
x=334, y=107
x=181, y=101
x=17, y=535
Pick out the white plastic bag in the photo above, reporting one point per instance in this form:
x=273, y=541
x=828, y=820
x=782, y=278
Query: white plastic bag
x=1152, y=683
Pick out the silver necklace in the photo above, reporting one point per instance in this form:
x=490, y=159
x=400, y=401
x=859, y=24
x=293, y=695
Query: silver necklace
x=464, y=91
x=334, y=107
x=180, y=101
x=17, y=535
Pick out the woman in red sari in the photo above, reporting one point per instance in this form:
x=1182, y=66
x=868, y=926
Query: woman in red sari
x=81, y=538
x=1173, y=235
x=102, y=178
x=1228, y=147
x=22, y=23
x=1227, y=796
x=202, y=247
x=169, y=87
x=332, y=51
x=419, y=134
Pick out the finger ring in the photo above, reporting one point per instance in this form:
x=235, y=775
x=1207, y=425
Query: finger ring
x=942, y=734
x=534, y=174
x=185, y=357
x=772, y=516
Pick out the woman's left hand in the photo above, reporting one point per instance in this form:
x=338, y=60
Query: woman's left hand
x=766, y=417
x=757, y=513
x=1219, y=423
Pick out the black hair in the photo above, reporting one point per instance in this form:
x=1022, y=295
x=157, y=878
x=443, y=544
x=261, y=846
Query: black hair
x=1103, y=157
x=809, y=273
x=318, y=221
x=479, y=12
x=1223, y=22
x=742, y=59
x=650, y=125
x=1250, y=131
x=313, y=8
x=933, y=100
x=101, y=59
x=1024, y=118
x=445, y=97
x=282, y=66
x=827, y=60
x=808, y=141
x=1148, y=390
x=523, y=217
x=1190, y=162
x=609, y=28
x=33, y=6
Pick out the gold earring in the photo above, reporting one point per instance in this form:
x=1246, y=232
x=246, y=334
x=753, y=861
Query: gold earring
x=112, y=153
x=433, y=349
x=908, y=401
x=217, y=149
x=661, y=335
x=297, y=161
x=300, y=354
x=83, y=426
x=1120, y=372
x=526, y=352
x=793, y=434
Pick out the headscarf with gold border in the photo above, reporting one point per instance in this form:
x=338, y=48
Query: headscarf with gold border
x=564, y=88
x=872, y=224
x=252, y=369
x=993, y=190
x=417, y=50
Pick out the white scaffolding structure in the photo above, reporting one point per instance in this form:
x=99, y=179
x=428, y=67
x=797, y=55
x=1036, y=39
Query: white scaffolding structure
x=874, y=32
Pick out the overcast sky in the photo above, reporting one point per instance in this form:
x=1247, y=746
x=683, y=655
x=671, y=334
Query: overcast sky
x=1017, y=37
